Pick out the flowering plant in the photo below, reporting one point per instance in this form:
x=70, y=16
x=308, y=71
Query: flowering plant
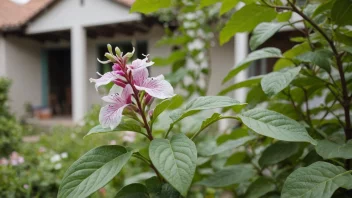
x=172, y=159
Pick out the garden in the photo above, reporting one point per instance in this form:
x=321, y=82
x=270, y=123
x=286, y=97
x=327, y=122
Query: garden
x=289, y=136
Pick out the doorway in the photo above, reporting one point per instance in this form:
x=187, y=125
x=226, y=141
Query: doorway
x=59, y=81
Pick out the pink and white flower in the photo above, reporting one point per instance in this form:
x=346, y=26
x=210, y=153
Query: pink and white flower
x=140, y=64
x=105, y=79
x=111, y=114
x=157, y=87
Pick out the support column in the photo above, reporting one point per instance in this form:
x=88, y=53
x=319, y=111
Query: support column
x=78, y=72
x=241, y=52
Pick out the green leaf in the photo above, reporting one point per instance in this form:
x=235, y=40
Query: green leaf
x=341, y=12
x=231, y=144
x=93, y=170
x=284, y=16
x=275, y=82
x=329, y=150
x=253, y=81
x=245, y=19
x=203, y=103
x=320, y=179
x=326, y=6
x=125, y=125
x=268, y=52
x=168, y=191
x=153, y=186
x=290, y=54
x=321, y=57
x=260, y=187
x=148, y=6
x=204, y=3
x=229, y=175
x=263, y=32
x=162, y=106
x=171, y=59
x=227, y=5
x=275, y=125
x=215, y=117
x=175, y=160
x=278, y=152
x=133, y=191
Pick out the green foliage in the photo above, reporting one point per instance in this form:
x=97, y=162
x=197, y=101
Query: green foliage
x=93, y=170
x=245, y=20
x=133, y=191
x=175, y=160
x=10, y=129
x=275, y=125
x=229, y=175
x=263, y=32
x=330, y=150
x=153, y=5
x=260, y=187
x=327, y=178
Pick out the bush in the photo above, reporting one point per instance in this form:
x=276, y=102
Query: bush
x=10, y=129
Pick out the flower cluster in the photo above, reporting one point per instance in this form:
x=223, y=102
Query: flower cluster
x=138, y=89
x=14, y=159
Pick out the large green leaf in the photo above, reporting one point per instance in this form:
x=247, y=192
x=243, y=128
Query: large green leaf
x=253, y=81
x=341, y=12
x=175, y=159
x=260, y=187
x=326, y=6
x=126, y=124
x=262, y=33
x=275, y=82
x=329, y=150
x=203, y=103
x=268, y=52
x=135, y=190
x=320, y=179
x=162, y=106
x=93, y=170
x=245, y=20
x=148, y=6
x=275, y=125
x=231, y=144
x=278, y=152
x=229, y=175
x=321, y=57
x=228, y=5
x=290, y=54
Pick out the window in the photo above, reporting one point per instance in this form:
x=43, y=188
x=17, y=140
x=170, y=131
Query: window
x=141, y=48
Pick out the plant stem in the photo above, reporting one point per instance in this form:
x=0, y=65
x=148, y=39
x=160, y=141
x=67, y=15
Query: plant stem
x=151, y=165
x=346, y=99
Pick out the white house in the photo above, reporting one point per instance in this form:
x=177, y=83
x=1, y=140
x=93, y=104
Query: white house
x=49, y=49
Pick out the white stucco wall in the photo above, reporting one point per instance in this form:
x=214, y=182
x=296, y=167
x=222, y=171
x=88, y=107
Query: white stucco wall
x=222, y=60
x=2, y=56
x=68, y=13
x=24, y=69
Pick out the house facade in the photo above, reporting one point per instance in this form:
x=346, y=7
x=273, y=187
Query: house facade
x=49, y=50
x=51, y=54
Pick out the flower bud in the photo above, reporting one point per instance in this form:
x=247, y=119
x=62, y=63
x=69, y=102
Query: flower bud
x=129, y=54
x=117, y=51
x=112, y=58
x=109, y=48
x=148, y=99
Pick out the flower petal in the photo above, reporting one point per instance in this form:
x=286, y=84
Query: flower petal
x=124, y=98
x=140, y=63
x=105, y=79
x=140, y=75
x=157, y=87
x=110, y=115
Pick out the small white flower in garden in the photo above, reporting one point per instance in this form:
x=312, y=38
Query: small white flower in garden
x=64, y=155
x=113, y=142
x=55, y=158
x=25, y=186
x=58, y=166
x=129, y=136
x=16, y=159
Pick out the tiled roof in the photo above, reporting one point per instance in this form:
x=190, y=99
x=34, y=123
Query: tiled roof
x=13, y=15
